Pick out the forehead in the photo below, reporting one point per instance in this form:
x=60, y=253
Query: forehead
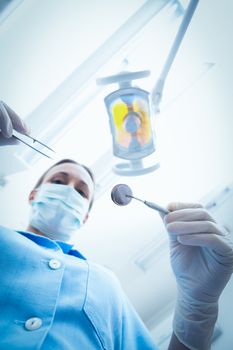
x=75, y=172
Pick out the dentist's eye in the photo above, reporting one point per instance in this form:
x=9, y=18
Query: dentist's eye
x=58, y=181
x=83, y=194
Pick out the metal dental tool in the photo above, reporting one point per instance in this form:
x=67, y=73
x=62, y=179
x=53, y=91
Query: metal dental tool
x=34, y=141
x=122, y=195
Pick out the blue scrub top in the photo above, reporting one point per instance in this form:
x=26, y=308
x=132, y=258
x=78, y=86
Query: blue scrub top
x=52, y=298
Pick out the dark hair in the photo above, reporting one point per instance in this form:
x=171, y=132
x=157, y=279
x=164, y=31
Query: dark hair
x=39, y=182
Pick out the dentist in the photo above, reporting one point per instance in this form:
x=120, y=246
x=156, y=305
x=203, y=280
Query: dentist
x=51, y=297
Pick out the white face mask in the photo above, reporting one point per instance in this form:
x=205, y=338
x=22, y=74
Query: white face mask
x=58, y=211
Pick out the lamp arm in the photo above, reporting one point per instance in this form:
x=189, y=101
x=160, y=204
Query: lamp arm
x=157, y=91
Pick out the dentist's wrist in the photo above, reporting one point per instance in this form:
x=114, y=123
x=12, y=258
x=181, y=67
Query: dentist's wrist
x=194, y=322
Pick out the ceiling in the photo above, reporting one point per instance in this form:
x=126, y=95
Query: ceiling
x=48, y=46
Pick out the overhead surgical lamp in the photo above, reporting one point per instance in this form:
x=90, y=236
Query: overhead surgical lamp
x=130, y=117
x=130, y=123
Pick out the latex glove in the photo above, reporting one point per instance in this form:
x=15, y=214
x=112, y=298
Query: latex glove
x=10, y=121
x=202, y=260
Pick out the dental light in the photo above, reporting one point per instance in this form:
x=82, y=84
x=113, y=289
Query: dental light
x=130, y=117
x=130, y=123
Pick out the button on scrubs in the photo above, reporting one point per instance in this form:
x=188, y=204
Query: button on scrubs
x=52, y=298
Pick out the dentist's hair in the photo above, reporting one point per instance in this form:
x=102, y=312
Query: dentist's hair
x=39, y=182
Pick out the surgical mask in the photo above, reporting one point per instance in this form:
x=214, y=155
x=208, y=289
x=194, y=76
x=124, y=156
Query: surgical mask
x=58, y=211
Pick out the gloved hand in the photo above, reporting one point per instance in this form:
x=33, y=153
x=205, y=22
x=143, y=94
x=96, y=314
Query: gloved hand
x=202, y=260
x=9, y=120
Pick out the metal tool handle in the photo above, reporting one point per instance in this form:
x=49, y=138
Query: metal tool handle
x=156, y=207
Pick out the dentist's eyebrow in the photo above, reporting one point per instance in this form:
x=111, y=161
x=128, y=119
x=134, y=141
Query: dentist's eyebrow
x=60, y=173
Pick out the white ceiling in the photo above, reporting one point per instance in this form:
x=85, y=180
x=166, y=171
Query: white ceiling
x=44, y=42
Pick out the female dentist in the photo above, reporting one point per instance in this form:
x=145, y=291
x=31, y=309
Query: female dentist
x=51, y=297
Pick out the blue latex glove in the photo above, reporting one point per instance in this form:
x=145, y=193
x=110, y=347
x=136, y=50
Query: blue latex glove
x=202, y=260
x=9, y=121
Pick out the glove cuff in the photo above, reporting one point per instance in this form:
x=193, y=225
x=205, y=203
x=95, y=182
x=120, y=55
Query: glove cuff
x=193, y=323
